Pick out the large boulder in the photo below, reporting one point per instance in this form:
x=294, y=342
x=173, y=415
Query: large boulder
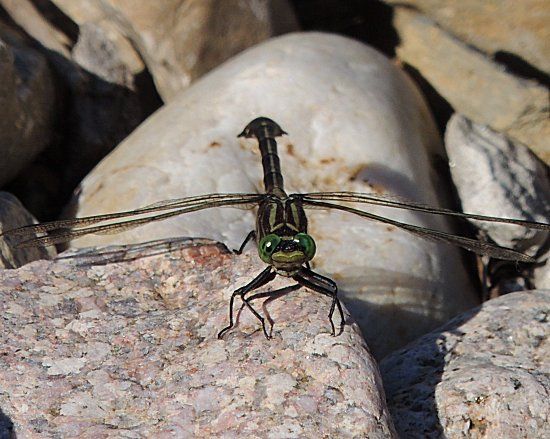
x=125, y=341
x=355, y=122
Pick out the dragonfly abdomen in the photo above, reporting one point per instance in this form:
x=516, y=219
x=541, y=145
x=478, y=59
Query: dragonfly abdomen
x=273, y=178
x=265, y=130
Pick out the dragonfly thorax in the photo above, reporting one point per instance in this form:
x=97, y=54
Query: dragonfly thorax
x=281, y=231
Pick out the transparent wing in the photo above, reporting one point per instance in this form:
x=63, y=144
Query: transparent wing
x=473, y=245
x=65, y=230
x=399, y=203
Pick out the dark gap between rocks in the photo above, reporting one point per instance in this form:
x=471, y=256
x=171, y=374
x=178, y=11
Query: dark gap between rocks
x=147, y=92
x=441, y=109
x=93, y=117
x=58, y=19
x=366, y=21
x=519, y=67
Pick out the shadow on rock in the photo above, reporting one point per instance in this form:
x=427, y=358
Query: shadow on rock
x=7, y=430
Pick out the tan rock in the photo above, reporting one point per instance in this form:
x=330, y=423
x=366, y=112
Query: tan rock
x=473, y=84
x=496, y=27
x=25, y=14
x=180, y=40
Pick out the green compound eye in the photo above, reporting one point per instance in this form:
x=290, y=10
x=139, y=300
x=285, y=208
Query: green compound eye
x=267, y=246
x=307, y=243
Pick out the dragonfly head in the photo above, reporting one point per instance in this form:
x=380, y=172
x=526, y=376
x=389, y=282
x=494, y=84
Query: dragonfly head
x=286, y=254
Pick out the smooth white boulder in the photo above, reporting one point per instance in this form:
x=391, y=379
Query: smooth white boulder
x=355, y=123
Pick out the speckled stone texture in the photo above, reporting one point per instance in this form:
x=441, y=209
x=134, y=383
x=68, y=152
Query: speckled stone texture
x=129, y=349
x=486, y=374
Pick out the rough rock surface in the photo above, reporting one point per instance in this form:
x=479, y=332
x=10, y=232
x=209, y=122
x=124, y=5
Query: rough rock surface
x=473, y=84
x=13, y=215
x=355, y=122
x=495, y=176
x=481, y=25
x=194, y=37
x=486, y=374
x=129, y=349
x=27, y=110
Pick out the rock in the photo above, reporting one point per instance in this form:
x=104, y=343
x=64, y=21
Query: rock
x=541, y=276
x=106, y=101
x=183, y=39
x=25, y=14
x=97, y=51
x=26, y=101
x=91, y=345
x=96, y=98
x=473, y=84
x=495, y=176
x=484, y=374
x=356, y=123
x=481, y=24
x=13, y=215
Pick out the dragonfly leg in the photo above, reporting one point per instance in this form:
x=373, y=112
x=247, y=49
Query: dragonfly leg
x=263, y=278
x=326, y=286
x=251, y=235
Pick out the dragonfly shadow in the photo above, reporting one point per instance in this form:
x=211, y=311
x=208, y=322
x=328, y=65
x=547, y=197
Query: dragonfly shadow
x=131, y=252
x=381, y=177
x=271, y=296
x=412, y=375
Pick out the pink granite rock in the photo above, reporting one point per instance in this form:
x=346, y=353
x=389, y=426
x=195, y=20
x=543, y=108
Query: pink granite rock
x=124, y=345
x=486, y=374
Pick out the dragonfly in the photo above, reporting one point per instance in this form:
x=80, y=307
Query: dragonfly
x=281, y=234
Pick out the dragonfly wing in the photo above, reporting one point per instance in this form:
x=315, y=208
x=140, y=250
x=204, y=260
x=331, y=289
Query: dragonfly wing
x=65, y=230
x=246, y=199
x=473, y=245
x=400, y=203
x=182, y=202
